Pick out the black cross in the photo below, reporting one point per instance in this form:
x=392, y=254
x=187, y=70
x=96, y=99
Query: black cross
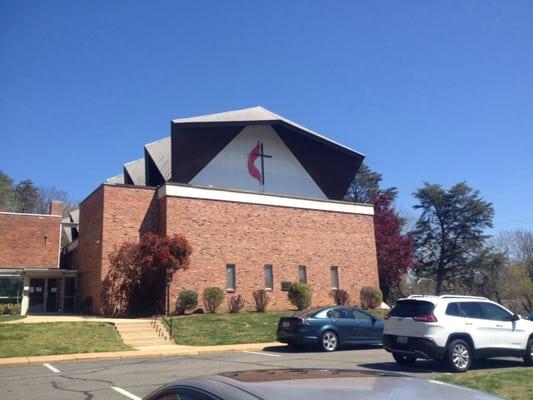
x=263, y=156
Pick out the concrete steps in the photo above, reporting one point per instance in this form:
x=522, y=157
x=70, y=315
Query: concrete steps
x=143, y=333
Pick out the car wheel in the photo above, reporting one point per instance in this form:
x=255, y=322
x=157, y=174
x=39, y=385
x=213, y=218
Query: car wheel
x=458, y=355
x=329, y=341
x=528, y=357
x=403, y=359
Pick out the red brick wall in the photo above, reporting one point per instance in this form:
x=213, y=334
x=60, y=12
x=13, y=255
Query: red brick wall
x=251, y=236
x=221, y=233
x=110, y=216
x=87, y=258
x=29, y=241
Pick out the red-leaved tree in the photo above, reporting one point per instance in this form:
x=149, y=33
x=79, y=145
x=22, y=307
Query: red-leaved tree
x=394, y=249
x=140, y=272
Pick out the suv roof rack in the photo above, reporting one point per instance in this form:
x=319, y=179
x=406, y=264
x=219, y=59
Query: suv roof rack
x=445, y=296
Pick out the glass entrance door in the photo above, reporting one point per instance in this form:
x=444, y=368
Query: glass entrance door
x=51, y=295
x=36, y=296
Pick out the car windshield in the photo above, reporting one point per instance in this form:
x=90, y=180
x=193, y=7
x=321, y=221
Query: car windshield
x=410, y=308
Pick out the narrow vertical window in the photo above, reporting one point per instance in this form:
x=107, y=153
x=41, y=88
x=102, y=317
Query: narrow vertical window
x=268, y=277
x=334, y=277
x=230, y=276
x=302, y=274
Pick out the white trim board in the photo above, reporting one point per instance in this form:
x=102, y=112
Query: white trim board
x=263, y=199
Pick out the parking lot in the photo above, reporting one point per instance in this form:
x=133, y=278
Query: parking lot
x=134, y=378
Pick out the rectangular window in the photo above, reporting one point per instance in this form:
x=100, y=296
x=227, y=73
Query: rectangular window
x=230, y=276
x=268, y=277
x=302, y=274
x=334, y=277
x=10, y=289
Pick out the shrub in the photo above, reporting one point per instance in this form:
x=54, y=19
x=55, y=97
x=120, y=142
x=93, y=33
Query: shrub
x=187, y=300
x=15, y=309
x=261, y=299
x=300, y=294
x=213, y=298
x=341, y=297
x=86, y=305
x=235, y=304
x=371, y=297
x=10, y=309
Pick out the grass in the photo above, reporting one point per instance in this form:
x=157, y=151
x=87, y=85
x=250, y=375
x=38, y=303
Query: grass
x=516, y=384
x=58, y=338
x=215, y=329
x=5, y=318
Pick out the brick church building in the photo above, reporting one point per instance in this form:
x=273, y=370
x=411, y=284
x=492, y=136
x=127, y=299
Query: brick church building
x=258, y=197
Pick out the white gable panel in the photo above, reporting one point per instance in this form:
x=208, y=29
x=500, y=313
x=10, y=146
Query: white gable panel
x=283, y=172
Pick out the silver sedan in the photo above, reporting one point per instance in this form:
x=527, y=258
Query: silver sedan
x=296, y=384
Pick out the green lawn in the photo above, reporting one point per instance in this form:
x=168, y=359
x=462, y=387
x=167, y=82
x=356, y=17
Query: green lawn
x=516, y=384
x=213, y=329
x=5, y=318
x=58, y=338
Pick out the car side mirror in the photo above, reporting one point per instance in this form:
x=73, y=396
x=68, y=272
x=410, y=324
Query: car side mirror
x=516, y=317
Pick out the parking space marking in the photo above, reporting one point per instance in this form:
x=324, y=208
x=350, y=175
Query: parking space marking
x=51, y=368
x=262, y=353
x=125, y=393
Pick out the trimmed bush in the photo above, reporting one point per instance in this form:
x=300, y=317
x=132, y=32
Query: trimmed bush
x=187, y=300
x=371, y=297
x=261, y=300
x=213, y=298
x=340, y=297
x=300, y=294
x=235, y=304
x=10, y=309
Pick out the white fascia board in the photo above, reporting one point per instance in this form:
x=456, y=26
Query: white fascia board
x=263, y=199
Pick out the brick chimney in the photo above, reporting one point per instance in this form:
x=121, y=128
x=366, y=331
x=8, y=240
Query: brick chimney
x=56, y=207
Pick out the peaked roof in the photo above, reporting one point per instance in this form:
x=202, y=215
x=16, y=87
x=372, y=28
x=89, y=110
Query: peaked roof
x=197, y=140
x=158, y=153
x=134, y=173
x=254, y=114
x=117, y=179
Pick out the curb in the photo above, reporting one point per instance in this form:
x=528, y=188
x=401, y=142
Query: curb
x=139, y=353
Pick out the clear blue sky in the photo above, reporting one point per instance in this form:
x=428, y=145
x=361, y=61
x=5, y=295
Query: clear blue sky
x=429, y=91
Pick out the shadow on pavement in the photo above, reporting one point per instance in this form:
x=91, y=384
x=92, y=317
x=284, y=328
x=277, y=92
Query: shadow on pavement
x=429, y=366
x=314, y=349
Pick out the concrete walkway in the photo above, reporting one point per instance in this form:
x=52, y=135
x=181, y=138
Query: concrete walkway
x=138, y=352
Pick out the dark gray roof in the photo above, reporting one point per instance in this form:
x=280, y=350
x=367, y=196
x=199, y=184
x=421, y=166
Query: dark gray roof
x=134, y=173
x=157, y=154
x=254, y=114
x=117, y=179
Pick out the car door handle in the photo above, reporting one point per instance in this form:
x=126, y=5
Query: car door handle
x=468, y=323
x=499, y=326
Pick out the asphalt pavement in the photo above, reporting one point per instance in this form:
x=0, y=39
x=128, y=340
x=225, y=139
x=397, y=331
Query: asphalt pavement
x=135, y=377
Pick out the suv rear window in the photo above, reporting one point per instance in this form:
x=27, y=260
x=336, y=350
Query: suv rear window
x=410, y=308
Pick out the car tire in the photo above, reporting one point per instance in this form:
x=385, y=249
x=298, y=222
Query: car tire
x=458, y=356
x=403, y=359
x=329, y=341
x=528, y=356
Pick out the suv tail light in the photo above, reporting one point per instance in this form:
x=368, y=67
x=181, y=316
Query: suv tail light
x=425, y=318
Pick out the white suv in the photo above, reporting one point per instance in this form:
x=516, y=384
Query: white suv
x=455, y=329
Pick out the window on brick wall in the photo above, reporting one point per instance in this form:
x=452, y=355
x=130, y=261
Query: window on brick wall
x=269, y=279
x=302, y=273
x=334, y=277
x=230, y=276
